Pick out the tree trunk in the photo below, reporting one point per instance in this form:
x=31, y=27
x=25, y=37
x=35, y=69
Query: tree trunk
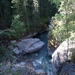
x=36, y=14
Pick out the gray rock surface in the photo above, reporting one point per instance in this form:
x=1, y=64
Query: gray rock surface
x=60, y=56
x=4, y=68
x=16, y=50
x=68, y=69
x=22, y=68
x=18, y=66
x=28, y=45
x=39, y=71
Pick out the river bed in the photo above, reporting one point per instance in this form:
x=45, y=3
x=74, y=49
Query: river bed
x=40, y=59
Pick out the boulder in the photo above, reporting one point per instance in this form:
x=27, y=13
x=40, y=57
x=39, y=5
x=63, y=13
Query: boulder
x=61, y=54
x=68, y=69
x=28, y=45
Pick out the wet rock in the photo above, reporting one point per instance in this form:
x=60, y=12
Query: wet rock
x=28, y=45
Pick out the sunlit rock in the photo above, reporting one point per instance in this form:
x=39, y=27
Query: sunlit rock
x=61, y=54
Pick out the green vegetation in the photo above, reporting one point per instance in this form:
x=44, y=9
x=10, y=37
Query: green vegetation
x=25, y=17
x=19, y=18
x=64, y=21
x=64, y=26
x=17, y=27
x=9, y=72
x=6, y=54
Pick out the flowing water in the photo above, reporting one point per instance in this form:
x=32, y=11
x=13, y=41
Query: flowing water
x=41, y=58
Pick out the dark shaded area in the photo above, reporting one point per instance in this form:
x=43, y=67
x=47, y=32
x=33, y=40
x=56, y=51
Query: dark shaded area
x=5, y=14
x=47, y=9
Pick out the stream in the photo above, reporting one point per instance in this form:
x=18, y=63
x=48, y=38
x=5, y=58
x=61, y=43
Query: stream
x=37, y=62
x=40, y=59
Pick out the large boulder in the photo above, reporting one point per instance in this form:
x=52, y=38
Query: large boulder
x=28, y=45
x=62, y=53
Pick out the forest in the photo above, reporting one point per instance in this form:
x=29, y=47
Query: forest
x=19, y=18
x=35, y=32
